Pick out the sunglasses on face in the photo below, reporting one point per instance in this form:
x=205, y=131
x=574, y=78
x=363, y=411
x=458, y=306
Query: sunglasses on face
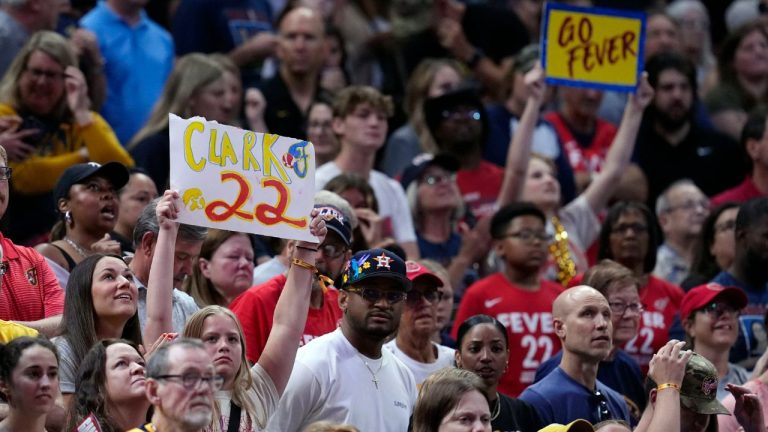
x=414, y=297
x=374, y=295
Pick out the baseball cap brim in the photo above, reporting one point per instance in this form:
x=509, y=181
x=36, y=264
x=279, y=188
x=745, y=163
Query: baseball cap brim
x=702, y=295
x=574, y=426
x=704, y=406
x=404, y=281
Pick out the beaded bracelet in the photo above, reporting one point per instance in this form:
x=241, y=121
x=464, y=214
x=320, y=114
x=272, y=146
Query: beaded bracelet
x=668, y=385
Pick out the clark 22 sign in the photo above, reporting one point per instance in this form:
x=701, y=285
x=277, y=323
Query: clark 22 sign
x=238, y=180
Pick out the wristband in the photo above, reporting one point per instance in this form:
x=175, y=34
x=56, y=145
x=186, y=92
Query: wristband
x=661, y=387
x=322, y=279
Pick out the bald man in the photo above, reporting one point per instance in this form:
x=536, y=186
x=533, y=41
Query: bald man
x=581, y=318
x=302, y=52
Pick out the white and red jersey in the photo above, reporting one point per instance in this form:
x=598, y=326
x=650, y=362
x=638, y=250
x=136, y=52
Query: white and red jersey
x=527, y=315
x=662, y=302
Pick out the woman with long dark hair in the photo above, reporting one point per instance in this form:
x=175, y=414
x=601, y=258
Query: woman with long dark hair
x=110, y=386
x=101, y=302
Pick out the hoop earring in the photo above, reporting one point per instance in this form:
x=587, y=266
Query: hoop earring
x=68, y=218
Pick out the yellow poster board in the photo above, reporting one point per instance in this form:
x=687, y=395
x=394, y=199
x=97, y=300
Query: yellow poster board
x=592, y=47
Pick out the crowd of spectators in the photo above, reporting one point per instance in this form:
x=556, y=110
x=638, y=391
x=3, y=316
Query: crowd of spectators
x=493, y=252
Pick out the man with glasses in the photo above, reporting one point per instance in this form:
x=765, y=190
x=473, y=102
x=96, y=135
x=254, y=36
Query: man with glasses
x=29, y=291
x=581, y=317
x=710, y=317
x=345, y=376
x=517, y=296
x=749, y=272
x=413, y=345
x=181, y=382
x=681, y=210
x=255, y=307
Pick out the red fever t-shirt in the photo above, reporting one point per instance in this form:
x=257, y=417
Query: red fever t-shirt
x=527, y=315
x=255, y=309
x=29, y=290
x=480, y=187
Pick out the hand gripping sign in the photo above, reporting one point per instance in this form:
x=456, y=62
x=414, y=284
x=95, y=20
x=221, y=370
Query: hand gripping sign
x=592, y=47
x=238, y=180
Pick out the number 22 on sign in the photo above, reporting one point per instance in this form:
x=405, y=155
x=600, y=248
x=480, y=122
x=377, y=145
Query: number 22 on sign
x=220, y=210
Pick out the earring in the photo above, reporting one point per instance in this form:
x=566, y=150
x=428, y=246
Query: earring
x=68, y=218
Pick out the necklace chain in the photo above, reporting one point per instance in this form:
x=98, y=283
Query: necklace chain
x=374, y=380
x=79, y=249
x=496, y=409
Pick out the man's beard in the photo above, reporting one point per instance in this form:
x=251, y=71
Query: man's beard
x=670, y=123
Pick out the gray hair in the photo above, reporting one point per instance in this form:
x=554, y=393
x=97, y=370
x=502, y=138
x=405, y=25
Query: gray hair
x=324, y=197
x=662, y=202
x=147, y=222
x=158, y=362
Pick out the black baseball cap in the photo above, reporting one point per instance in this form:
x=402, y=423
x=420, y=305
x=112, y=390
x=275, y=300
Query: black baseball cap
x=115, y=172
x=375, y=263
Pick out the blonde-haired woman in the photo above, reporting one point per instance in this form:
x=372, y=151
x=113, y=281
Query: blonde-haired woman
x=197, y=86
x=431, y=78
x=46, y=95
x=248, y=397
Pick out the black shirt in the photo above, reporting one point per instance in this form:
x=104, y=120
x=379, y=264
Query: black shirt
x=712, y=160
x=515, y=415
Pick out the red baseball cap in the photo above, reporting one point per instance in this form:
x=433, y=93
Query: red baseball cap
x=415, y=270
x=702, y=295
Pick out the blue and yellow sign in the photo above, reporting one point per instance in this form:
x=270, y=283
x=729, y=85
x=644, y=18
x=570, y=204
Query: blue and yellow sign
x=592, y=47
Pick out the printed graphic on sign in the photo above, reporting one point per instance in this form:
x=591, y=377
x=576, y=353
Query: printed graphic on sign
x=592, y=47
x=238, y=180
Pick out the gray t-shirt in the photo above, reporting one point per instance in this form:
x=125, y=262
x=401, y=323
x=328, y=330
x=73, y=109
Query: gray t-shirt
x=184, y=307
x=67, y=366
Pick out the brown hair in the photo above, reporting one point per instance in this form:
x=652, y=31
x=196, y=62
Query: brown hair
x=440, y=393
x=348, y=99
x=608, y=275
x=199, y=286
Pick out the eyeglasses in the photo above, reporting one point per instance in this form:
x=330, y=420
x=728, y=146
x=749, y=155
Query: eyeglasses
x=603, y=413
x=414, y=297
x=5, y=173
x=332, y=250
x=459, y=113
x=620, y=308
x=636, y=228
x=528, y=236
x=191, y=381
x=42, y=73
x=373, y=295
x=717, y=309
x=690, y=205
x=728, y=225
x=438, y=178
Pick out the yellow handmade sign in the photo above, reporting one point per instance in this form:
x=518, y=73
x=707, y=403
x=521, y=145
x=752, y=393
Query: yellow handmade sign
x=238, y=180
x=592, y=47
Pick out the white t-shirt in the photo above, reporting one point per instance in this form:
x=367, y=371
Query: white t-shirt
x=420, y=371
x=264, y=396
x=330, y=381
x=393, y=205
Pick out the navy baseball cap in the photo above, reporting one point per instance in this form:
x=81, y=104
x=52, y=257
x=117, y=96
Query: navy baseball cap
x=375, y=263
x=336, y=221
x=115, y=172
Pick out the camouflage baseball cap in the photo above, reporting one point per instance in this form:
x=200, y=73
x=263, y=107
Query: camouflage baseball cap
x=699, y=390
